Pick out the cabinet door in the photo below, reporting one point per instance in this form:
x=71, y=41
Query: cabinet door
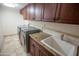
x=39, y=7
x=69, y=13
x=44, y=52
x=38, y=50
x=27, y=12
x=34, y=48
x=23, y=13
x=49, y=11
x=32, y=11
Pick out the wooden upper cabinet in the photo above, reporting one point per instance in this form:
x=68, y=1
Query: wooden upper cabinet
x=23, y=13
x=49, y=11
x=27, y=12
x=39, y=8
x=68, y=13
x=53, y=12
x=31, y=11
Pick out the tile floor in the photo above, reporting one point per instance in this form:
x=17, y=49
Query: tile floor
x=12, y=47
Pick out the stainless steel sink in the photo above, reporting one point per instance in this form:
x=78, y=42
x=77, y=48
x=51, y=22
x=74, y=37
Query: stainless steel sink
x=59, y=46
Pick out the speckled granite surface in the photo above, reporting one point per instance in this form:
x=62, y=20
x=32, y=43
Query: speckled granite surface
x=12, y=47
x=41, y=36
x=38, y=37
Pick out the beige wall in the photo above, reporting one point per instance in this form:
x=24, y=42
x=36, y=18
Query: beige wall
x=1, y=31
x=65, y=28
x=11, y=18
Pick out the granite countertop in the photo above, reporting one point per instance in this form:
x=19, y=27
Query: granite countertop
x=40, y=36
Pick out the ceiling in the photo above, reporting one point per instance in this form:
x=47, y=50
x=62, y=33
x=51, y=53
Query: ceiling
x=21, y=5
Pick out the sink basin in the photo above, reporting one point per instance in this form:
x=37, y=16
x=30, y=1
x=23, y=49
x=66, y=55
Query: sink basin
x=59, y=46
